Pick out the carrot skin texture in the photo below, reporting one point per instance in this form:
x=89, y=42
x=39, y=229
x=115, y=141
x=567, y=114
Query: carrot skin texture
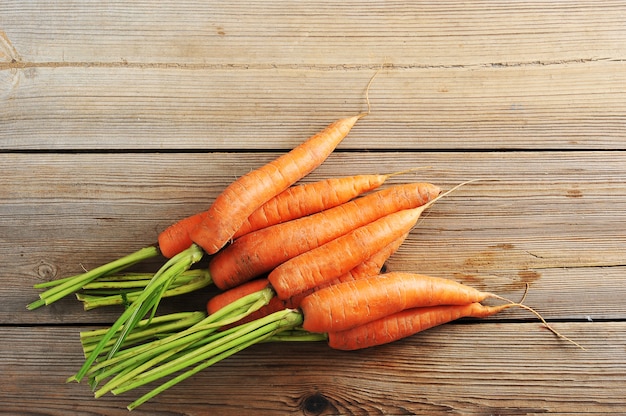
x=220, y=300
x=290, y=204
x=370, y=267
x=322, y=264
x=261, y=251
x=175, y=238
x=242, y=197
x=309, y=198
x=406, y=323
x=350, y=304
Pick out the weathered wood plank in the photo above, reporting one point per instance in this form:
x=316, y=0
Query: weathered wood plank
x=562, y=106
x=552, y=219
x=467, y=84
x=506, y=369
x=317, y=33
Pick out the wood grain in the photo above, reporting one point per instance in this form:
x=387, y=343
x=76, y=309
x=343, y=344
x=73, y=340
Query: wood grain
x=317, y=34
x=487, y=74
x=565, y=106
x=481, y=369
x=118, y=118
x=537, y=218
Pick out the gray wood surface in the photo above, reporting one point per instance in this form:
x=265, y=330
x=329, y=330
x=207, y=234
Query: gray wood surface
x=119, y=118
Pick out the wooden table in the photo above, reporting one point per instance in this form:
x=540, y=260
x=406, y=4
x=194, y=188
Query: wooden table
x=118, y=118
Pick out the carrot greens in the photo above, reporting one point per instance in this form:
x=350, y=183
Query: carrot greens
x=124, y=289
x=60, y=288
x=147, y=300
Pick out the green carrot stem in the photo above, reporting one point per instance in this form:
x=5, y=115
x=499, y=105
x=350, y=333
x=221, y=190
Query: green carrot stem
x=113, y=274
x=297, y=335
x=129, y=354
x=179, y=287
x=144, y=323
x=146, y=300
x=139, y=280
x=255, y=331
x=225, y=316
x=147, y=332
x=124, y=277
x=121, y=277
x=74, y=283
x=189, y=373
x=155, y=289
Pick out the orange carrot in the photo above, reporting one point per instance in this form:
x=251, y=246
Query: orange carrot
x=261, y=251
x=410, y=321
x=350, y=304
x=242, y=197
x=175, y=238
x=370, y=267
x=220, y=300
x=324, y=263
x=330, y=260
x=310, y=198
x=406, y=323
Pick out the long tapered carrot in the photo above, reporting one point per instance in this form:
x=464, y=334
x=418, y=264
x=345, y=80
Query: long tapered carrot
x=261, y=251
x=330, y=260
x=243, y=196
x=408, y=291
x=337, y=308
x=405, y=323
x=310, y=198
x=410, y=321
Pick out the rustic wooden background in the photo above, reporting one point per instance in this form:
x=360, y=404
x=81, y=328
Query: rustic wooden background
x=118, y=118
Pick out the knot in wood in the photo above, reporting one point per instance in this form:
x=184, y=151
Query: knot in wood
x=315, y=404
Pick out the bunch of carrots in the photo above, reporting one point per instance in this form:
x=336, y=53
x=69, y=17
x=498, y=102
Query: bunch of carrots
x=293, y=262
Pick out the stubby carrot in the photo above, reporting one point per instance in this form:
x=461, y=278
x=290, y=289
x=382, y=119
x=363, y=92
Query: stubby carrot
x=309, y=198
x=243, y=196
x=261, y=251
x=350, y=304
x=405, y=323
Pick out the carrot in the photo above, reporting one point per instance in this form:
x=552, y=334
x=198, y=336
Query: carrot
x=350, y=304
x=175, y=238
x=310, y=198
x=242, y=197
x=405, y=323
x=411, y=321
x=322, y=264
x=341, y=307
x=332, y=259
x=370, y=267
x=261, y=251
x=227, y=297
